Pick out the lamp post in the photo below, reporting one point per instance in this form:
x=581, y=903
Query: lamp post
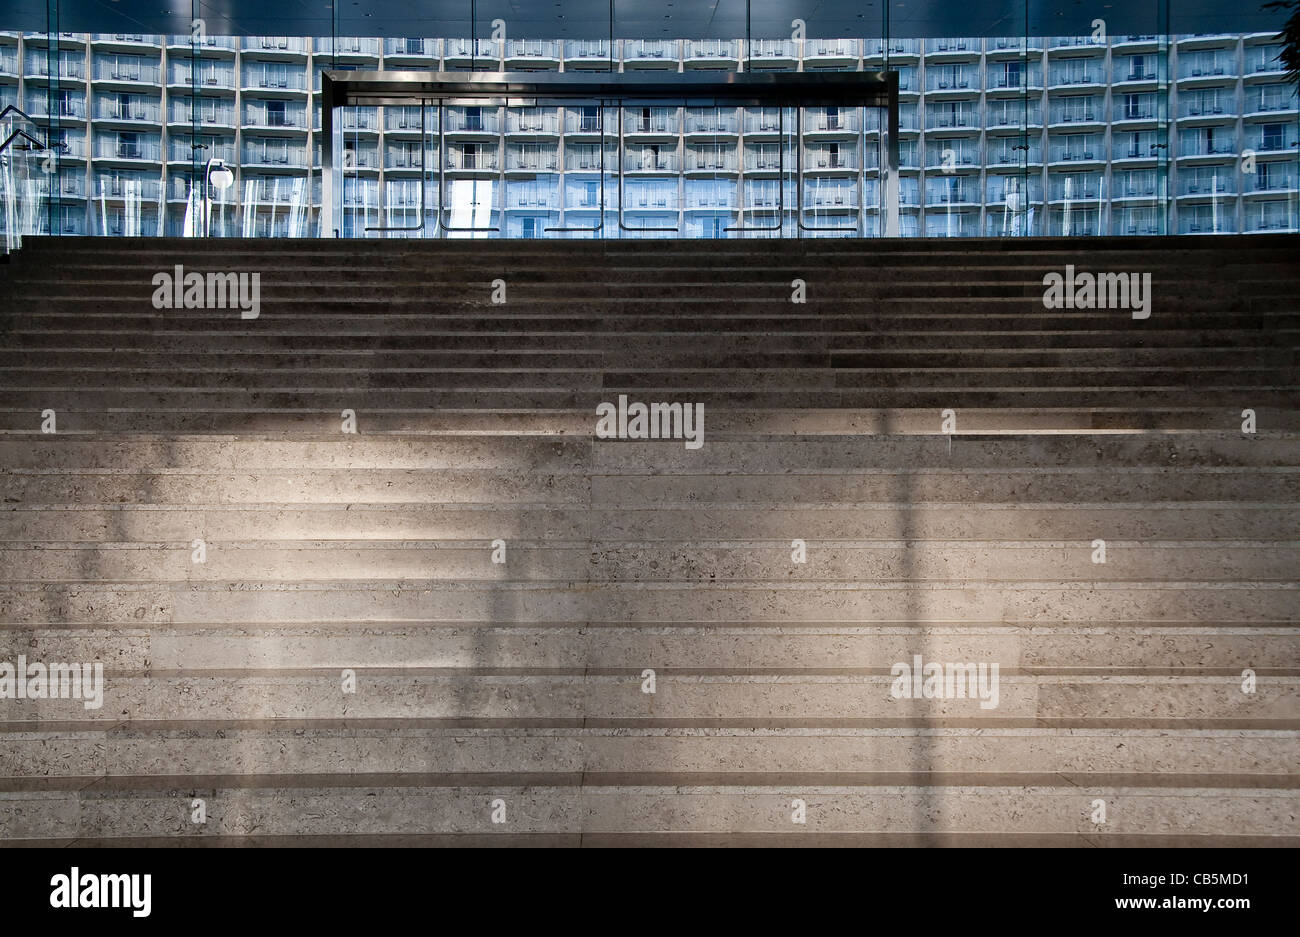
x=217, y=174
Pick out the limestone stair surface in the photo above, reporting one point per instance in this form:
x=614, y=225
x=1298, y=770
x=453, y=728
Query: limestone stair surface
x=513, y=690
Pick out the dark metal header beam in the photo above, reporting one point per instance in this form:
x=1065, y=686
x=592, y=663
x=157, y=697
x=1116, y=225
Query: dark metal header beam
x=763, y=89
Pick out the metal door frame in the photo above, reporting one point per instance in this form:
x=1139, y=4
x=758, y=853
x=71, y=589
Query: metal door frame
x=877, y=89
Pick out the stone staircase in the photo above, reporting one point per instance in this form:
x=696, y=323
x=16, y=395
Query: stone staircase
x=515, y=691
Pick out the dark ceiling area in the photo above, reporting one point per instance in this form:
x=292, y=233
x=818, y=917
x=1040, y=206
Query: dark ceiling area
x=644, y=19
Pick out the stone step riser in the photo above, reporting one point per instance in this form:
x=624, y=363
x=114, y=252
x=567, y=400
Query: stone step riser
x=576, y=648
x=140, y=752
x=614, y=809
x=402, y=601
x=615, y=561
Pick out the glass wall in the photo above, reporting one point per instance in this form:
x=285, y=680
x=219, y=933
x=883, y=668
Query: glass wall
x=1086, y=134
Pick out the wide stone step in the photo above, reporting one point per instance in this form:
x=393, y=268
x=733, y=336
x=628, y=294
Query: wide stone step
x=1091, y=647
x=600, y=560
x=1041, y=602
x=747, y=698
x=1217, y=815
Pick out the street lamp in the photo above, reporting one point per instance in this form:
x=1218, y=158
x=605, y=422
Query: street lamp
x=217, y=174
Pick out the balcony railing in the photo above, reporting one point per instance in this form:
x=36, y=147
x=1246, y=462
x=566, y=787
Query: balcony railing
x=486, y=160
x=144, y=72
x=275, y=79
x=275, y=44
x=417, y=48
x=116, y=109
x=649, y=50
x=459, y=121
x=289, y=118
x=582, y=49
x=534, y=159
x=532, y=121
x=147, y=150
x=709, y=159
x=543, y=49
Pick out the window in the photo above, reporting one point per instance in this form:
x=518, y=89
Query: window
x=276, y=114
x=1271, y=137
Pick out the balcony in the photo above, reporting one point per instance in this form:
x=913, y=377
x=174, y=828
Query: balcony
x=818, y=159
x=143, y=151
x=821, y=197
x=211, y=76
x=38, y=105
x=1136, y=146
x=1272, y=138
x=963, y=224
x=999, y=188
x=586, y=158
x=411, y=51
x=1271, y=178
x=474, y=121
x=1076, y=42
x=1077, y=152
x=181, y=150
x=275, y=46
x=1133, y=185
x=648, y=159
x=1264, y=61
x=1074, y=75
x=953, y=190
x=347, y=48
x=479, y=52
x=954, y=47
x=144, y=110
x=656, y=121
x=1194, y=68
x=126, y=40
x=1277, y=215
x=712, y=53
x=711, y=122
x=1074, y=188
x=1269, y=100
x=407, y=156
x=532, y=159
x=1190, y=145
x=130, y=188
x=1195, y=105
x=264, y=156
x=709, y=196
x=824, y=53
x=209, y=44
x=407, y=120
x=1207, y=185
x=37, y=66
x=1144, y=110
x=712, y=159
x=952, y=78
x=650, y=53
x=536, y=122
x=941, y=117
x=1073, y=111
x=277, y=79
x=466, y=159
x=124, y=72
x=1001, y=46
x=532, y=53
x=587, y=53
x=208, y=113
x=1010, y=152
x=765, y=121
x=832, y=122
x=772, y=52
x=258, y=116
